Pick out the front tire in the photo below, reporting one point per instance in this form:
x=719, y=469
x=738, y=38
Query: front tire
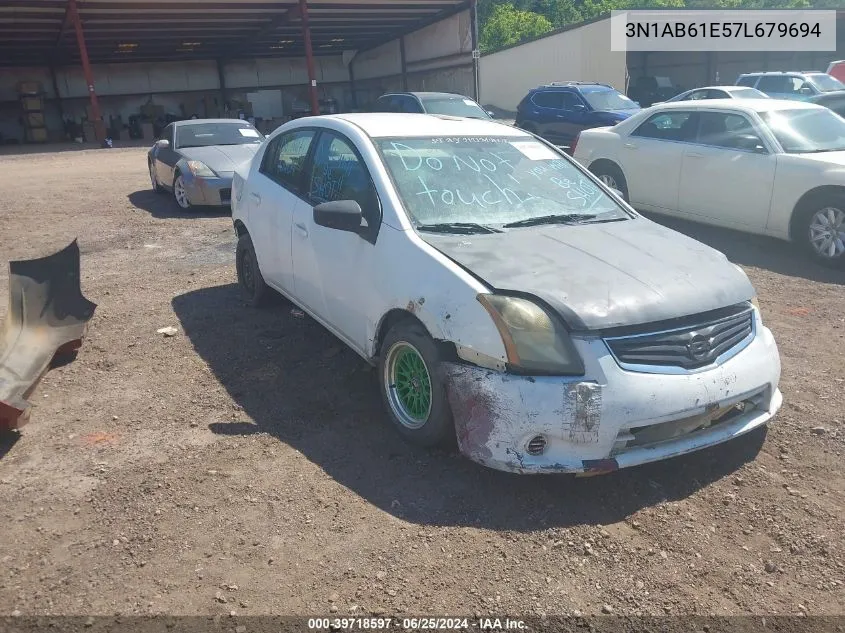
x=180, y=194
x=253, y=288
x=154, y=178
x=612, y=176
x=821, y=230
x=412, y=386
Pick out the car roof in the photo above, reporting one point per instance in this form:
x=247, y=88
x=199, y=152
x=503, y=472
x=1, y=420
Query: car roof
x=196, y=121
x=390, y=124
x=427, y=95
x=571, y=84
x=783, y=72
x=746, y=105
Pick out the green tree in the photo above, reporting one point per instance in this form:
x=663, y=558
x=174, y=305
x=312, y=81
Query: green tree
x=508, y=25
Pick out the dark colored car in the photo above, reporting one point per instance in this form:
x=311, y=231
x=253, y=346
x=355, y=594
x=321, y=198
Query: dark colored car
x=833, y=100
x=558, y=112
x=648, y=90
x=445, y=103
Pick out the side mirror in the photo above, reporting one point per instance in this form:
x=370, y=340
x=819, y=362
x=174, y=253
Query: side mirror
x=343, y=215
x=749, y=143
x=806, y=90
x=162, y=143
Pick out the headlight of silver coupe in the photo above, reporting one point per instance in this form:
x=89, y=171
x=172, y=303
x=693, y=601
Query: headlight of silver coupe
x=199, y=168
x=535, y=341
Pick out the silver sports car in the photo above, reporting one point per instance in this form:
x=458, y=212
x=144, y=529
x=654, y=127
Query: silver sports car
x=196, y=159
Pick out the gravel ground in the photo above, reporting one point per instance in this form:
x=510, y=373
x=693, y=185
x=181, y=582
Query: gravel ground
x=244, y=464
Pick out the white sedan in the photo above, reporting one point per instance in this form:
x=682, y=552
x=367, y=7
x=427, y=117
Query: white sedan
x=762, y=166
x=511, y=302
x=717, y=92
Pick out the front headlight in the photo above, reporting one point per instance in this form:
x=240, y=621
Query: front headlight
x=199, y=168
x=535, y=341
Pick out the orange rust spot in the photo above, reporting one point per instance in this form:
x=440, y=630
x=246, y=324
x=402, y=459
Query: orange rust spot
x=99, y=438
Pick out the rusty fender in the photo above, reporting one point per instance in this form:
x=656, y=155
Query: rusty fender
x=47, y=318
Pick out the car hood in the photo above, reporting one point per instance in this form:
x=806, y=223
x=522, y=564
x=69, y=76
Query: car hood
x=221, y=158
x=602, y=275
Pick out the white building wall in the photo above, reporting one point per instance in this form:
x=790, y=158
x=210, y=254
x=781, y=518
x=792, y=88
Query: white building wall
x=576, y=54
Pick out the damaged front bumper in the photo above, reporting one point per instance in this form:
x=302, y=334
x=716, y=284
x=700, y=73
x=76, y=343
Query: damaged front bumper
x=610, y=418
x=47, y=317
x=210, y=191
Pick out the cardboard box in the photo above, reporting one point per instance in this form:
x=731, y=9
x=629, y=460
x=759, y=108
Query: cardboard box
x=35, y=119
x=29, y=88
x=32, y=103
x=37, y=135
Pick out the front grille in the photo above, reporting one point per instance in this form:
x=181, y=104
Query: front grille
x=225, y=195
x=690, y=347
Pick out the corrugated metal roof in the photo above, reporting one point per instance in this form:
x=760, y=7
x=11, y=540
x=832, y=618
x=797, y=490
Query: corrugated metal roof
x=38, y=32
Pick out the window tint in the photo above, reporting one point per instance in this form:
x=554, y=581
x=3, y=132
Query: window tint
x=571, y=100
x=338, y=174
x=285, y=157
x=725, y=129
x=669, y=126
x=695, y=95
x=782, y=84
x=549, y=100
x=409, y=104
x=384, y=104
x=747, y=81
x=717, y=94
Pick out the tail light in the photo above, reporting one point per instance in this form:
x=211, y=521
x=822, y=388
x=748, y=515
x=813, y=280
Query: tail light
x=574, y=145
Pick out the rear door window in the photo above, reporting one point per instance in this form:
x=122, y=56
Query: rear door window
x=678, y=125
x=549, y=100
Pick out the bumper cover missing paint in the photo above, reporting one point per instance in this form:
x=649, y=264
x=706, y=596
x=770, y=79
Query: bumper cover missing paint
x=611, y=418
x=47, y=317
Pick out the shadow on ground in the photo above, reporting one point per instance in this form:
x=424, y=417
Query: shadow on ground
x=163, y=206
x=758, y=251
x=8, y=439
x=301, y=385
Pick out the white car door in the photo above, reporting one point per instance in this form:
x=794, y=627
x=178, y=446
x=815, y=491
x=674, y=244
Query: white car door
x=274, y=195
x=651, y=159
x=727, y=176
x=333, y=268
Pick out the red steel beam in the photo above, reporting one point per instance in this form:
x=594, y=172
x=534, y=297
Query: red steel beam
x=99, y=125
x=309, y=58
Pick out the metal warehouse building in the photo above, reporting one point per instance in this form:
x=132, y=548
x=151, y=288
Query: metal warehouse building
x=124, y=68
x=582, y=52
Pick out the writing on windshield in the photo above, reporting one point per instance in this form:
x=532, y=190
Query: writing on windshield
x=489, y=180
x=206, y=134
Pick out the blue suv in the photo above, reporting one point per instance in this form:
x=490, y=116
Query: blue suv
x=559, y=111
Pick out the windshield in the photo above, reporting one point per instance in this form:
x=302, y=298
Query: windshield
x=491, y=181
x=205, y=134
x=815, y=130
x=454, y=106
x=825, y=82
x=749, y=93
x=608, y=100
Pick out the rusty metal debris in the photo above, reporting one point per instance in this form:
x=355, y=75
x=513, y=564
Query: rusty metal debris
x=46, y=319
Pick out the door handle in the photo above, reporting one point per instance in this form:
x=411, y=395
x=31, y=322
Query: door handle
x=300, y=228
x=255, y=197
x=694, y=155
x=630, y=145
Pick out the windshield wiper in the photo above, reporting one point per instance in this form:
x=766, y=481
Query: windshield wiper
x=567, y=218
x=464, y=228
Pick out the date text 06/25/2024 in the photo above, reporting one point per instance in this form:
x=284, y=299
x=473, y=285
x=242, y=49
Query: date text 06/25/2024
x=491, y=624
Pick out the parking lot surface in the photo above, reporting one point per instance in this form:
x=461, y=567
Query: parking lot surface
x=244, y=464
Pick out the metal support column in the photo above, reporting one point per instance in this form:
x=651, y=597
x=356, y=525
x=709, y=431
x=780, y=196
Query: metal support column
x=309, y=58
x=58, y=96
x=222, y=79
x=404, y=63
x=99, y=125
x=476, y=55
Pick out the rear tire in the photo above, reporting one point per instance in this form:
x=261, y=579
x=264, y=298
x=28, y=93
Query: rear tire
x=412, y=386
x=253, y=288
x=610, y=174
x=819, y=229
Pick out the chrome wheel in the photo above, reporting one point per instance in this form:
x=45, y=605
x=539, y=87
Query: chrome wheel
x=407, y=384
x=609, y=180
x=180, y=194
x=827, y=232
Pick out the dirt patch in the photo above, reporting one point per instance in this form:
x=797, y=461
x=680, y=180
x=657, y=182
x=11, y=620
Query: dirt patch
x=245, y=464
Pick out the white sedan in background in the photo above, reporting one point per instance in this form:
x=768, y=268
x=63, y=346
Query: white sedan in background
x=763, y=166
x=717, y=92
x=511, y=302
